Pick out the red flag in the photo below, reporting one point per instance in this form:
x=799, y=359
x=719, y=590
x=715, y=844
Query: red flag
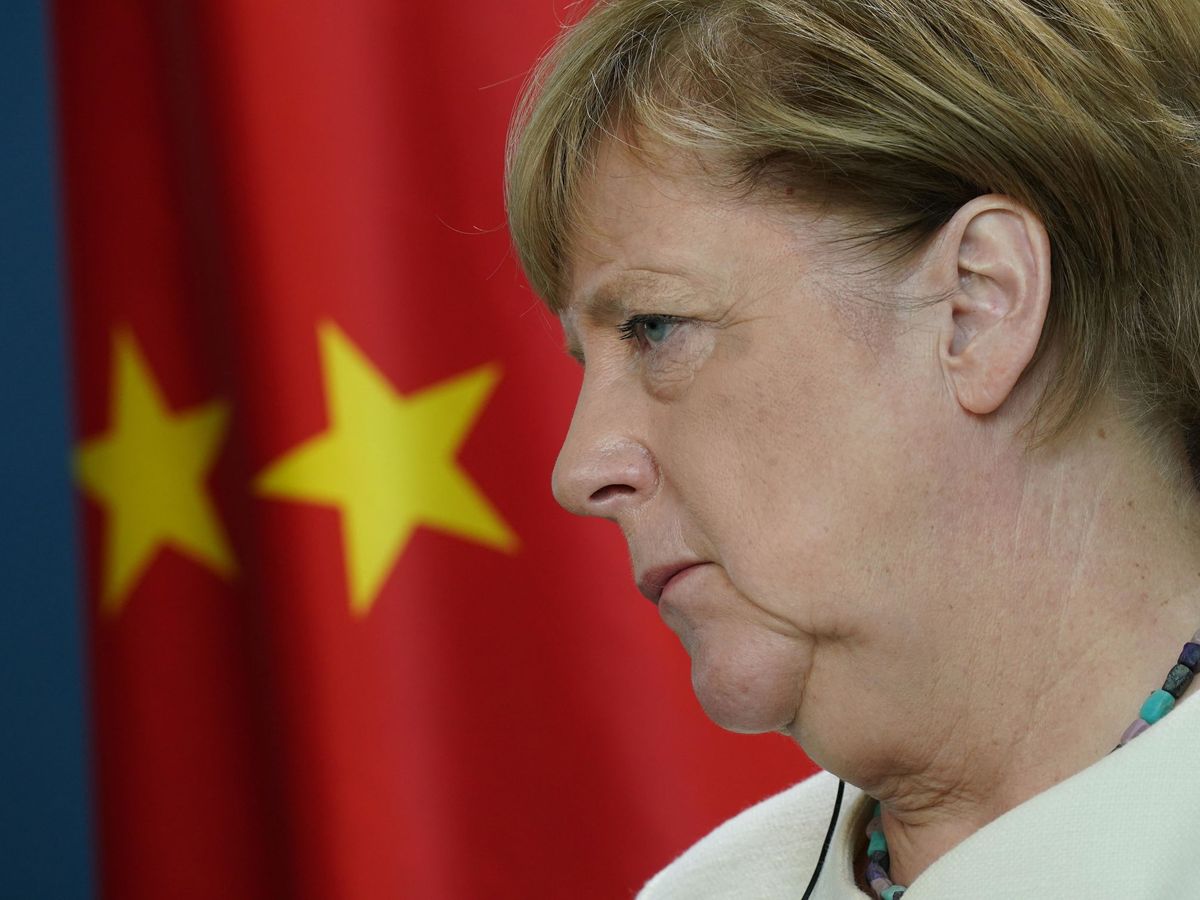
x=344, y=644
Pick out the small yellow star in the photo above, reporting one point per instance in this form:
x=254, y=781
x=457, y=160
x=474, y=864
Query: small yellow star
x=148, y=471
x=387, y=462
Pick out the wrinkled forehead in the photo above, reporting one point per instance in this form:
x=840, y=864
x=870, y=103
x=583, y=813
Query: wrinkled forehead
x=631, y=192
x=635, y=194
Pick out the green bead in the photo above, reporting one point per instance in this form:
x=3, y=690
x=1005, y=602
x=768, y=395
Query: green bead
x=895, y=892
x=877, y=841
x=1156, y=706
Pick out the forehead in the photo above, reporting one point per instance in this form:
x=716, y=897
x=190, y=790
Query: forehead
x=652, y=224
x=636, y=191
x=643, y=224
x=624, y=246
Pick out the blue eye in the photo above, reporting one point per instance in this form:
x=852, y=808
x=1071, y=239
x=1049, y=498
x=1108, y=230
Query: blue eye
x=649, y=330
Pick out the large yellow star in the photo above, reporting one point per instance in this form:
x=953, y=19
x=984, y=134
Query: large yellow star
x=387, y=462
x=148, y=471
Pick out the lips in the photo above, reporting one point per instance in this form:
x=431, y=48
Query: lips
x=653, y=581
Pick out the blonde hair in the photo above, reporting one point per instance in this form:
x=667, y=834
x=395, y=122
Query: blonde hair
x=1086, y=111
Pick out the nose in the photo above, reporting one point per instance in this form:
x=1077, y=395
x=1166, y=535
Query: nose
x=604, y=468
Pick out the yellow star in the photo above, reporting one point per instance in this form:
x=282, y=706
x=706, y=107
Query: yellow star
x=387, y=462
x=148, y=471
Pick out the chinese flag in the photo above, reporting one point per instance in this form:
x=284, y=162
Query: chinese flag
x=343, y=643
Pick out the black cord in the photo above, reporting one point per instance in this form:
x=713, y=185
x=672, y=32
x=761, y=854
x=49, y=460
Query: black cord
x=837, y=807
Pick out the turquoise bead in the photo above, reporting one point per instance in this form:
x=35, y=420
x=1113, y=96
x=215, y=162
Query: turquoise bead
x=877, y=842
x=895, y=892
x=1156, y=706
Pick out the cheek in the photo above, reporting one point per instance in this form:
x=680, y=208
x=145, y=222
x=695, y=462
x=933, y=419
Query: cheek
x=792, y=477
x=758, y=454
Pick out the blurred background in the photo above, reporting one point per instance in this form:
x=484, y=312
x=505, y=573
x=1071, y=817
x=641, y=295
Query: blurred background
x=45, y=834
x=290, y=609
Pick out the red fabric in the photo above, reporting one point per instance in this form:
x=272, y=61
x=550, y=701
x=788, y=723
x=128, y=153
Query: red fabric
x=496, y=724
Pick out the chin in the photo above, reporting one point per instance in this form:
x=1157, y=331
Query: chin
x=748, y=686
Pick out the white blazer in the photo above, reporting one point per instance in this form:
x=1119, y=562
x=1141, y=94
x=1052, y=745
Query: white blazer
x=1125, y=828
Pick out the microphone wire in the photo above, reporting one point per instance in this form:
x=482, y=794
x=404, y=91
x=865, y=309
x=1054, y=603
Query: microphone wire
x=837, y=807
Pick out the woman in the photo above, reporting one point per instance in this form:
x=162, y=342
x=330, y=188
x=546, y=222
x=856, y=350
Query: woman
x=890, y=318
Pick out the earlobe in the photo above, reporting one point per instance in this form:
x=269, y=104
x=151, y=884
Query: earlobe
x=1001, y=257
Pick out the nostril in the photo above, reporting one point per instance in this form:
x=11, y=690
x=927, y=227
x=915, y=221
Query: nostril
x=610, y=492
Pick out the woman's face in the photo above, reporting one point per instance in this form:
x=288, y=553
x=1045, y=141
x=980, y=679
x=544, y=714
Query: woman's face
x=746, y=406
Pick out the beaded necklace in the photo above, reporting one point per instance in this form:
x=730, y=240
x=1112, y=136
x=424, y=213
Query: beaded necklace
x=1157, y=705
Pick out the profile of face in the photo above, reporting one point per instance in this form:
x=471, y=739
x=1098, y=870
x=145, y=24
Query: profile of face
x=756, y=407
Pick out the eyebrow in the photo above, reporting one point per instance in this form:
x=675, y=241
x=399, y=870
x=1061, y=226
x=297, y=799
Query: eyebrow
x=605, y=304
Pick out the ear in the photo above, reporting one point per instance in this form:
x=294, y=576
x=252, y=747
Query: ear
x=994, y=256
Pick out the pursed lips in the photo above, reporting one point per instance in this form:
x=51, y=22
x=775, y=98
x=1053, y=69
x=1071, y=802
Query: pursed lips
x=653, y=581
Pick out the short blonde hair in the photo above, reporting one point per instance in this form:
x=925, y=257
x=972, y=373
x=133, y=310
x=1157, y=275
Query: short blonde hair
x=1086, y=111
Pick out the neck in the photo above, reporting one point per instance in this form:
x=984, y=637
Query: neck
x=1077, y=725
x=1035, y=681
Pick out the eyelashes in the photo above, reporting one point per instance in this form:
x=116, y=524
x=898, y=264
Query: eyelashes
x=649, y=330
